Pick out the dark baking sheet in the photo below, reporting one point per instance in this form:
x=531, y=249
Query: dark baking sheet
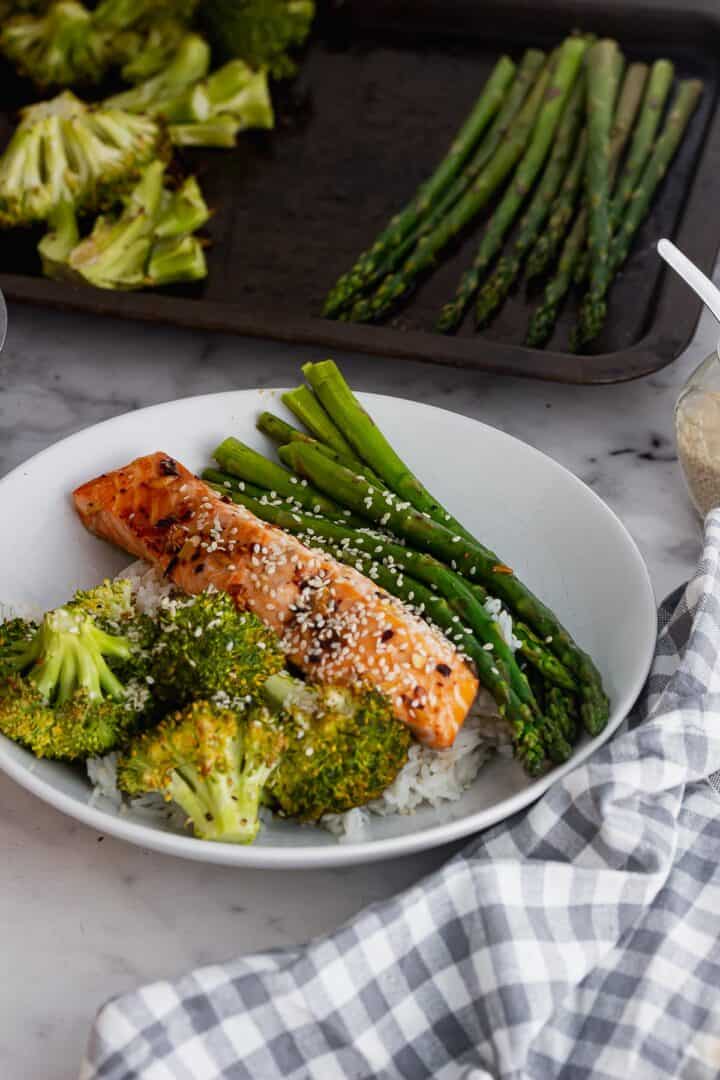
x=382, y=89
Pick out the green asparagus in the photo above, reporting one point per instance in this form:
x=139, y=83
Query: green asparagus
x=529, y=69
x=557, y=95
x=396, y=285
x=658, y=88
x=303, y=404
x=497, y=287
x=544, y=318
x=462, y=146
x=247, y=464
x=550, y=241
x=593, y=310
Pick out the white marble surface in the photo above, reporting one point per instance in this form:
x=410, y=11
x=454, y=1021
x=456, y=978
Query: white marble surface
x=85, y=917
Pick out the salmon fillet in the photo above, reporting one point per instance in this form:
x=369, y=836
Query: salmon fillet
x=336, y=625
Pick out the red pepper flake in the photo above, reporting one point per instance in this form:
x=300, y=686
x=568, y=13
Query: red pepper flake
x=501, y=569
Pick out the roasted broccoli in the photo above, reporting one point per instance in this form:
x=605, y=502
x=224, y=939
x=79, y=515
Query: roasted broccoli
x=15, y=634
x=207, y=648
x=112, y=605
x=66, y=151
x=261, y=32
x=148, y=242
x=201, y=111
x=60, y=696
x=213, y=762
x=62, y=47
x=343, y=748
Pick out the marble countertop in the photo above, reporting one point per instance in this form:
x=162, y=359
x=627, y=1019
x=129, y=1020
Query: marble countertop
x=87, y=917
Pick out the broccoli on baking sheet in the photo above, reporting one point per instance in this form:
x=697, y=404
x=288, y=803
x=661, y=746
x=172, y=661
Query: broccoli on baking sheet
x=262, y=32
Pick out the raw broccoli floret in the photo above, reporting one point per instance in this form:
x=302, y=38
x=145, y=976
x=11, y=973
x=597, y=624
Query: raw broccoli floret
x=207, y=648
x=64, y=151
x=343, y=748
x=63, y=699
x=261, y=32
x=147, y=243
x=213, y=762
x=202, y=111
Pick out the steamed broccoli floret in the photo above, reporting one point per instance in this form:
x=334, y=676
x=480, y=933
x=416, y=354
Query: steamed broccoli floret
x=206, y=648
x=148, y=243
x=64, y=700
x=343, y=748
x=64, y=151
x=261, y=32
x=213, y=762
x=202, y=111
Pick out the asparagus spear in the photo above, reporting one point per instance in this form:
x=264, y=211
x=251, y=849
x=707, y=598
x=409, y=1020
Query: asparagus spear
x=528, y=71
x=461, y=147
x=283, y=433
x=594, y=307
x=601, y=60
x=247, y=464
x=472, y=559
x=497, y=287
x=306, y=407
x=370, y=444
x=228, y=484
x=396, y=285
x=544, y=318
x=556, y=98
x=548, y=244
x=658, y=88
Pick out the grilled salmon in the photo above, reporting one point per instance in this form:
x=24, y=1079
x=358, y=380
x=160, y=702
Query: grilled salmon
x=336, y=625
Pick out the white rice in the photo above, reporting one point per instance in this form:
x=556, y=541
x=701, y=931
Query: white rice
x=429, y=778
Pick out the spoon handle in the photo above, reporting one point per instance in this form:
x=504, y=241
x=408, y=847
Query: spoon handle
x=698, y=282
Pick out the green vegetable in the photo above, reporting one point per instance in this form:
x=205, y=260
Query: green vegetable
x=60, y=696
x=593, y=310
x=207, y=648
x=342, y=749
x=461, y=147
x=213, y=762
x=149, y=242
x=528, y=71
x=544, y=318
x=247, y=464
x=602, y=58
x=303, y=404
x=563, y=78
x=658, y=88
x=65, y=151
x=396, y=285
x=202, y=111
x=263, y=33
x=494, y=291
x=549, y=242
x=370, y=444
x=188, y=64
x=61, y=47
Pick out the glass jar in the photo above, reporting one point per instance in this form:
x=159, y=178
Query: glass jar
x=697, y=432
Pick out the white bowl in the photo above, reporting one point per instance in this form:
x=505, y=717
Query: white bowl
x=555, y=532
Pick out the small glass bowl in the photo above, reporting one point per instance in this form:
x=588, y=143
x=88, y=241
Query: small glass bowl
x=697, y=433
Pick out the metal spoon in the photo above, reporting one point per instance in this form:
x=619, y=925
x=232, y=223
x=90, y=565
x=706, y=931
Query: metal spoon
x=3, y=320
x=688, y=271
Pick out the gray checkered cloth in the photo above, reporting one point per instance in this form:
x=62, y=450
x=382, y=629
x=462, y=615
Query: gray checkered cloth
x=580, y=939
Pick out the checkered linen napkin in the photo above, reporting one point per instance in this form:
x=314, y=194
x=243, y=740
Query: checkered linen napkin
x=580, y=939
